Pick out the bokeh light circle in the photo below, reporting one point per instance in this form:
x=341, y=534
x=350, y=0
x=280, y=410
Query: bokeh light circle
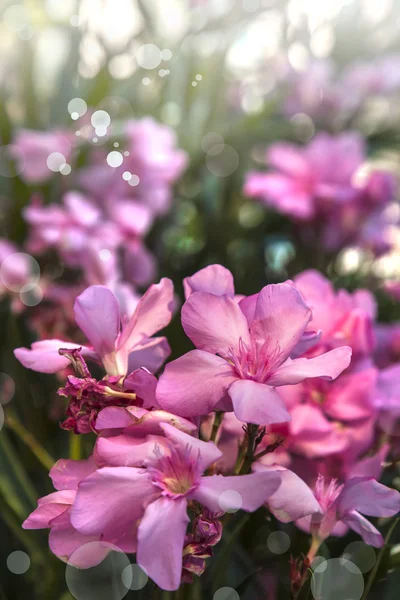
x=278, y=542
x=222, y=160
x=115, y=159
x=226, y=593
x=337, y=578
x=100, y=118
x=7, y=388
x=19, y=271
x=18, y=562
x=211, y=139
x=134, y=578
x=360, y=554
x=55, y=161
x=230, y=501
x=77, y=106
x=102, y=582
x=148, y=56
x=31, y=296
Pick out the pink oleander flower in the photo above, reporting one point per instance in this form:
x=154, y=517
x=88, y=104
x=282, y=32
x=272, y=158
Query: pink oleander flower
x=122, y=347
x=34, y=147
x=393, y=289
x=344, y=505
x=344, y=318
x=153, y=158
x=54, y=510
x=243, y=353
x=332, y=207
x=148, y=506
x=332, y=417
x=206, y=533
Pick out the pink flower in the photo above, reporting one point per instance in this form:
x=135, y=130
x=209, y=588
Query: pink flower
x=35, y=148
x=121, y=347
x=344, y=318
x=150, y=504
x=344, y=505
x=331, y=207
x=243, y=354
x=293, y=499
x=54, y=510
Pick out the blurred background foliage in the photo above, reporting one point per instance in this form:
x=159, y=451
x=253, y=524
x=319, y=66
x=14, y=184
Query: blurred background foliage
x=224, y=75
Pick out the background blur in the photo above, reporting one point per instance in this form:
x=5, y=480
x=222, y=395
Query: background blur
x=229, y=77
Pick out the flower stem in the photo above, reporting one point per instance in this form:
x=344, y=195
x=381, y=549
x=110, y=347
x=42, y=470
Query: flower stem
x=75, y=446
x=216, y=424
x=251, y=433
x=374, y=571
x=37, y=449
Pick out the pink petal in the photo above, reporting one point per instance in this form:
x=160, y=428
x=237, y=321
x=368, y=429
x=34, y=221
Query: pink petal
x=76, y=549
x=328, y=366
x=206, y=453
x=253, y=490
x=144, y=384
x=49, y=507
x=362, y=526
x=369, y=497
x=280, y=318
x=350, y=398
x=109, y=501
x=153, y=312
x=66, y=474
x=215, y=279
x=214, y=323
x=293, y=499
x=248, y=307
x=125, y=450
x=44, y=356
x=308, y=340
x=97, y=315
x=151, y=353
x=117, y=417
x=289, y=159
x=257, y=403
x=161, y=537
x=193, y=384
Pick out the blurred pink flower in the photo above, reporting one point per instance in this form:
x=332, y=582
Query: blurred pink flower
x=36, y=146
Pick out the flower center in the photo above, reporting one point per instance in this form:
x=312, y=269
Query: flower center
x=175, y=473
x=254, y=361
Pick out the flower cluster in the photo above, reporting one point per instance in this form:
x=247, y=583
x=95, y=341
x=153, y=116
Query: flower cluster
x=332, y=207
x=283, y=378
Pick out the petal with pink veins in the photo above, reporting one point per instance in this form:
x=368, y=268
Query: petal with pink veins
x=280, y=319
x=66, y=473
x=153, y=312
x=97, y=315
x=214, y=323
x=193, y=384
x=215, y=279
x=328, y=366
x=205, y=453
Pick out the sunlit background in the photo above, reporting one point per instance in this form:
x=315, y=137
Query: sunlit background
x=230, y=78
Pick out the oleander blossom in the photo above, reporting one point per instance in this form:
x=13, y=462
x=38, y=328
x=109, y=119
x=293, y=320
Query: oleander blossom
x=120, y=345
x=344, y=505
x=332, y=207
x=147, y=506
x=243, y=353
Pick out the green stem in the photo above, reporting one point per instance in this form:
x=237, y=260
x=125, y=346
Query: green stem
x=216, y=424
x=75, y=446
x=249, y=457
x=25, y=436
x=17, y=468
x=374, y=571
